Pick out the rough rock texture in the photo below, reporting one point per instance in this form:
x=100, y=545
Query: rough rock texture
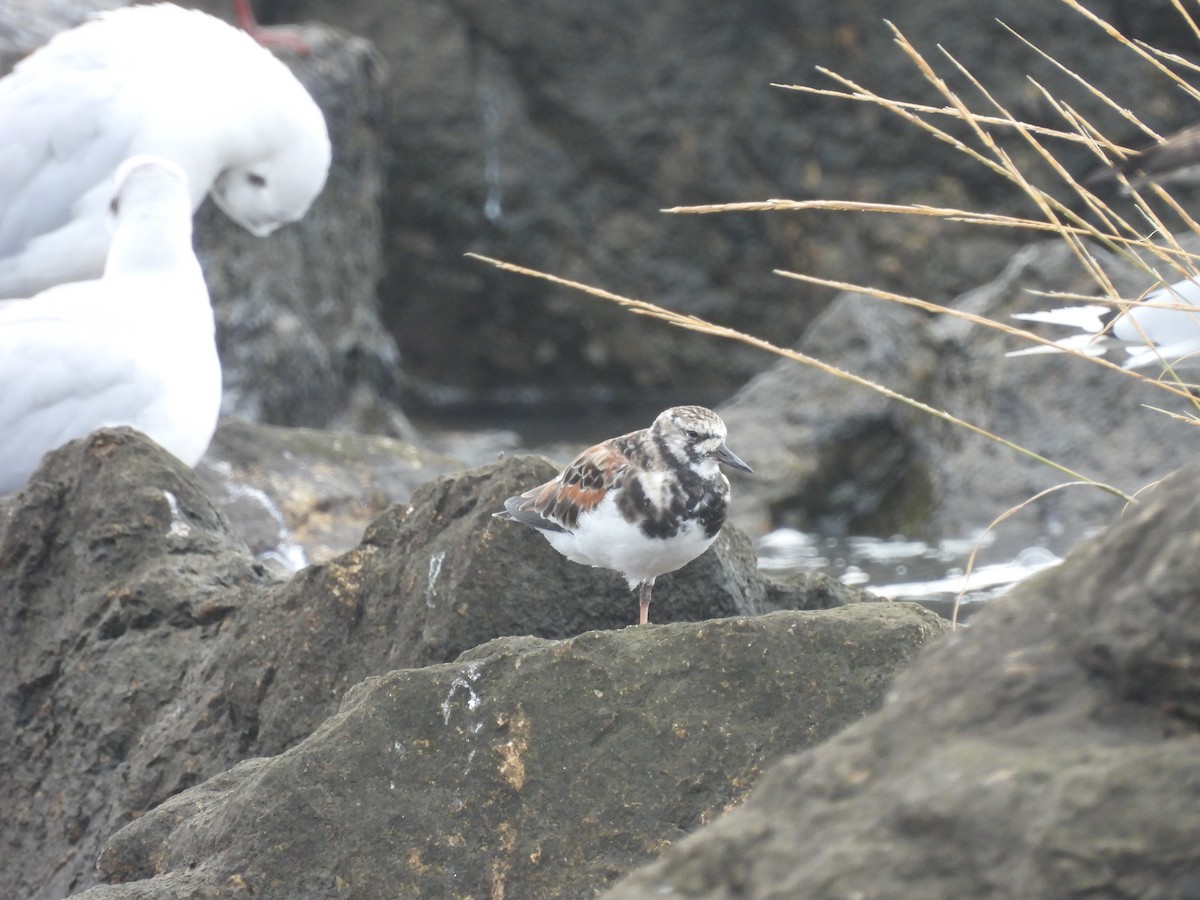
x=298, y=496
x=146, y=650
x=551, y=135
x=116, y=575
x=434, y=579
x=1047, y=751
x=830, y=457
x=527, y=768
x=27, y=24
x=846, y=460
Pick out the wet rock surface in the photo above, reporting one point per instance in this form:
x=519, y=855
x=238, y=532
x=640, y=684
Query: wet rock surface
x=298, y=495
x=1046, y=751
x=148, y=650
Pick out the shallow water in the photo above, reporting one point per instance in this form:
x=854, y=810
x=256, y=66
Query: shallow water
x=932, y=574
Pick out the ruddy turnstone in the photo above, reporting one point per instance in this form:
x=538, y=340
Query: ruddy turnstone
x=643, y=504
x=1164, y=326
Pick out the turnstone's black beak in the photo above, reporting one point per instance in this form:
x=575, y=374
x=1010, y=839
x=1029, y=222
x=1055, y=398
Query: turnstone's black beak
x=727, y=456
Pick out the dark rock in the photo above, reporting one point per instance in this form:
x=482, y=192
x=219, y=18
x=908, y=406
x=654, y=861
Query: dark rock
x=117, y=574
x=147, y=650
x=829, y=456
x=553, y=138
x=809, y=590
x=527, y=768
x=1106, y=425
x=299, y=496
x=837, y=458
x=435, y=578
x=27, y=24
x=1047, y=751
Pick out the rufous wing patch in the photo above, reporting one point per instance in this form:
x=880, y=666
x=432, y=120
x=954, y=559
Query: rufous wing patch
x=580, y=487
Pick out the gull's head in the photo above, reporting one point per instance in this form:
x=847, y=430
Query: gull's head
x=695, y=435
x=277, y=183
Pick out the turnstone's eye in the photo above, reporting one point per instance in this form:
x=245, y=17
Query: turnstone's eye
x=694, y=435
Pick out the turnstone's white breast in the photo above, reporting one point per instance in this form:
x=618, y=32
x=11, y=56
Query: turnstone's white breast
x=642, y=504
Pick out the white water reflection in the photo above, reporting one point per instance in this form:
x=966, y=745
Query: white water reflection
x=897, y=568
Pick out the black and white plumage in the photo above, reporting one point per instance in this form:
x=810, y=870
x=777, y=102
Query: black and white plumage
x=162, y=80
x=1164, y=326
x=136, y=346
x=642, y=504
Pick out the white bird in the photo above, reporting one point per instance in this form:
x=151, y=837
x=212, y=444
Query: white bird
x=1161, y=327
x=158, y=80
x=135, y=347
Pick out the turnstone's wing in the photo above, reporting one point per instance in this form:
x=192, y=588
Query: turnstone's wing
x=557, y=504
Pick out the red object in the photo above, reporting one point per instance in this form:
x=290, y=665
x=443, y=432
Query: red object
x=281, y=38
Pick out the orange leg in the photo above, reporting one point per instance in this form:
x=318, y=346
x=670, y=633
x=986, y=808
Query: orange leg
x=644, y=601
x=269, y=37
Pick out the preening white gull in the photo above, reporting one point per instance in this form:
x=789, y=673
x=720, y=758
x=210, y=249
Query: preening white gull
x=158, y=80
x=1164, y=326
x=136, y=346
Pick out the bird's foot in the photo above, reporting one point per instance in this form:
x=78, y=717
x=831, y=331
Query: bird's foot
x=281, y=38
x=644, y=602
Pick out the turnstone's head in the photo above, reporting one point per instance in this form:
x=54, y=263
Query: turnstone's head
x=693, y=435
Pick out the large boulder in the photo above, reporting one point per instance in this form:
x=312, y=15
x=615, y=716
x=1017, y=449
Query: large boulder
x=146, y=648
x=1048, y=751
x=527, y=768
x=117, y=573
x=834, y=457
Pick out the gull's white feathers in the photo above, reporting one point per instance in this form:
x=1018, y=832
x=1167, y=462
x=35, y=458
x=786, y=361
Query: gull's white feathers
x=134, y=347
x=1166, y=332
x=160, y=80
